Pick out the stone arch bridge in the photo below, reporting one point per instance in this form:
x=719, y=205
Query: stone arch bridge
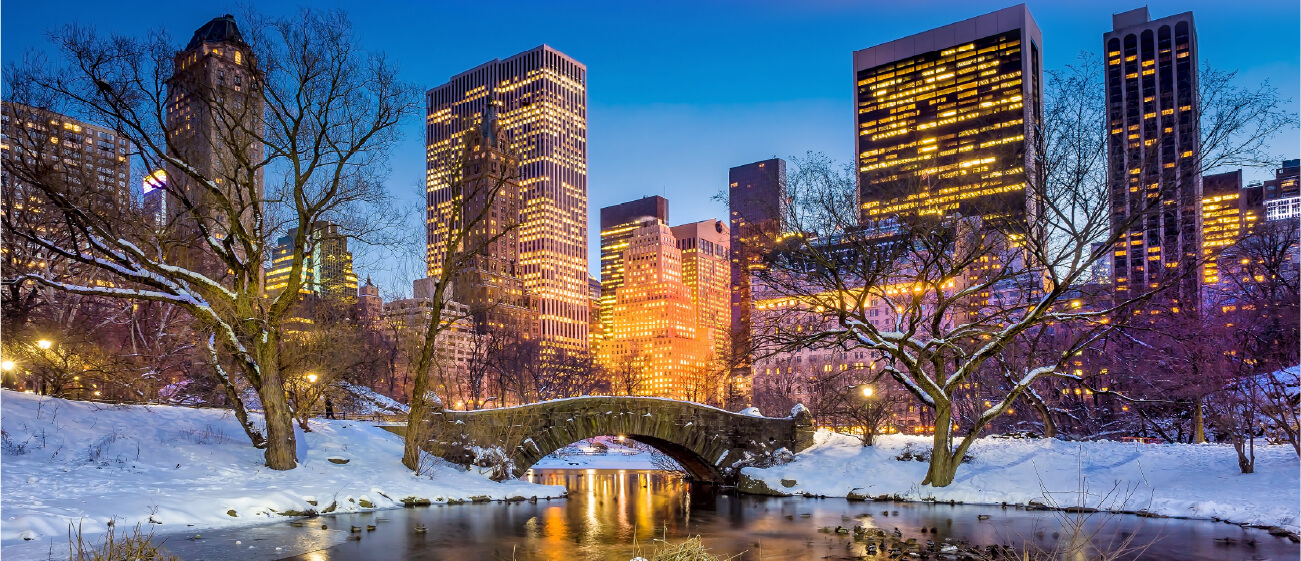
x=711, y=444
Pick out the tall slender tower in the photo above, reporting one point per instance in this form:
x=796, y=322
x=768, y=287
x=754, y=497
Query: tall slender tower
x=489, y=283
x=212, y=112
x=543, y=111
x=214, y=116
x=756, y=202
x=943, y=119
x=1153, y=148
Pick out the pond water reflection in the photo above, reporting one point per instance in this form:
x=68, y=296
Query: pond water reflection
x=613, y=514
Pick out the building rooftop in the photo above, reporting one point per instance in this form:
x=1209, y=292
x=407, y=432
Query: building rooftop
x=220, y=29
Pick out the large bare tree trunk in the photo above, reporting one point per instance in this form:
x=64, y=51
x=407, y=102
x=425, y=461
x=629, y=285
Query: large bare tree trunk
x=943, y=466
x=419, y=411
x=281, y=451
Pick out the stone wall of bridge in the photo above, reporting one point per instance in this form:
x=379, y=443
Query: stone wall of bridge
x=711, y=444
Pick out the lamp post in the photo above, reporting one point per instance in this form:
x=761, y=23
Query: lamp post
x=44, y=344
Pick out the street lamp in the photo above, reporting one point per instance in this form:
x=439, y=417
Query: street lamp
x=7, y=365
x=867, y=391
x=311, y=378
x=44, y=344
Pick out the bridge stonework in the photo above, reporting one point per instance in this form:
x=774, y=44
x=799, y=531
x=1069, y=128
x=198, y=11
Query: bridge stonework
x=711, y=444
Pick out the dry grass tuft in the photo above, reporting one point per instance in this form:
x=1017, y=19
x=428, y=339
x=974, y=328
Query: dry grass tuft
x=689, y=550
x=129, y=545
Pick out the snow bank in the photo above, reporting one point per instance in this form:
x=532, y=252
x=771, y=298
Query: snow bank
x=187, y=469
x=365, y=401
x=1200, y=481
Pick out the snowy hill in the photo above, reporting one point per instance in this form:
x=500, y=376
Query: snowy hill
x=186, y=469
x=1199, y=481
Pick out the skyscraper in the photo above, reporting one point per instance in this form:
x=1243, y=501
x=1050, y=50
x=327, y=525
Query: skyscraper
x=87, y=162
x=756, y=201
x=1153, y=148
x=943, y=118
x=707, y=273
x=653, y=348
x=618, y=222
x=543, y=111
x=212, y=114
x=327, y=267
x=91, y=157
x=488, y=188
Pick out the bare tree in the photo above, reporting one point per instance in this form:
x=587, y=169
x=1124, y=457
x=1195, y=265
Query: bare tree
x=478, y=211
x=872, y=405
x=627, y=376
x=941, y=297
x=314, y=124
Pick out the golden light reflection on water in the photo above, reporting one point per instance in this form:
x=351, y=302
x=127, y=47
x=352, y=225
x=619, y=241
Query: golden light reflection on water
x=613, y=506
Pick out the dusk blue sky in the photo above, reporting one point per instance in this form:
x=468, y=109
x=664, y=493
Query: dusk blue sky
x=680, y=92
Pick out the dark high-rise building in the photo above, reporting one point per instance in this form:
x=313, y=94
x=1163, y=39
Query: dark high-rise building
x=1283, y=193
x=213, y=116
x=756, y=204
x=943, y=119
x=543, y=110
x=1153, y=149
x=618, y=223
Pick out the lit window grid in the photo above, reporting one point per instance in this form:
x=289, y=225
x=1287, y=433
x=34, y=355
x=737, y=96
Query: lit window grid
x=948, y=115
x=1153, y=147
x=544, y=96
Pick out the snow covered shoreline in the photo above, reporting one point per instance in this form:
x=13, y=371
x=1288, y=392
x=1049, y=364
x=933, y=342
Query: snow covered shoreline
x=178, y=469
x=1196, y=481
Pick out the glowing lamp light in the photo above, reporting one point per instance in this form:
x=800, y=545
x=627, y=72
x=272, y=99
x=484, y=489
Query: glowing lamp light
x=7, y=365
x=311, y=378
x=44, y=344
x=867, y=391
x=621, y=438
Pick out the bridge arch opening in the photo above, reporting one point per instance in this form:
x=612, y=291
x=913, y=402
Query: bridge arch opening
x=687, y=461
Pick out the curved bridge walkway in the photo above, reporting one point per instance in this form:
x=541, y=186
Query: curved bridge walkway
x=710, y=443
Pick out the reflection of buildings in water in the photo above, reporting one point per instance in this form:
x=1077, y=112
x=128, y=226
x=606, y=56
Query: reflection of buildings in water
x=608, y=509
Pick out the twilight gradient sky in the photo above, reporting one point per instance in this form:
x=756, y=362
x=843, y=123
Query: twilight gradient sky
x=678, y=92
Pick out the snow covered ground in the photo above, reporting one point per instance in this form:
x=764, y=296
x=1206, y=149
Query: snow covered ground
x=189, y=469
x=1200, y=481
x=616, y=457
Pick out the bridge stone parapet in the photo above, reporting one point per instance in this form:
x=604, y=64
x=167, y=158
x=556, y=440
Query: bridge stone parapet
x=711, y=444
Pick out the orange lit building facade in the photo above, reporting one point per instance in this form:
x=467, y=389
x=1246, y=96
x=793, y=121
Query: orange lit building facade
x=655, y=347
x=1229, y=212
x=707, y=273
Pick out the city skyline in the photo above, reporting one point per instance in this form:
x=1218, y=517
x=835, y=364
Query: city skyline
x=704, y=112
